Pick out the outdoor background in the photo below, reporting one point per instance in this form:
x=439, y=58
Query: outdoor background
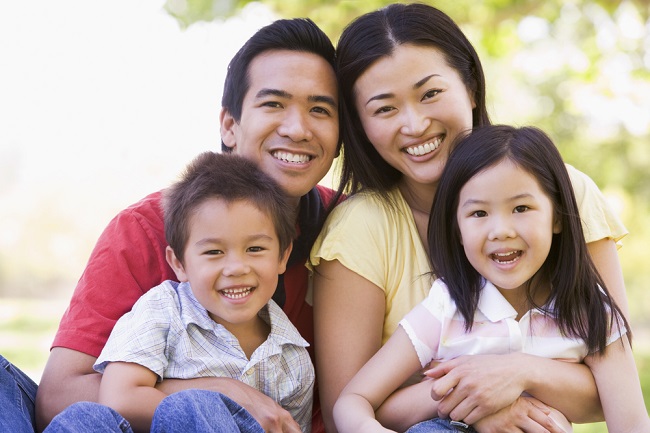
x=104, y=102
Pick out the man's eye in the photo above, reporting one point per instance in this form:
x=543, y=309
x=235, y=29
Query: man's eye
x=321, y=110
x=272, y=104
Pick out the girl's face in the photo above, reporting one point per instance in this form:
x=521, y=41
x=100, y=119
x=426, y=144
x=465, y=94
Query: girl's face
x=506, y=225
x=412, y=105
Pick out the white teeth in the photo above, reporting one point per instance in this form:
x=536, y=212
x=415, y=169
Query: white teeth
x=514, y=254
x=236, y=293
x=291, y=157
x=425, y=148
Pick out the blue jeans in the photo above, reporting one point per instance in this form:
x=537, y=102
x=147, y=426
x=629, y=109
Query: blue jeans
x=17, y=395
x=440, y=425
x=183, y=412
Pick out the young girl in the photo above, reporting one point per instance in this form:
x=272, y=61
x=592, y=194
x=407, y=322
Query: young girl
x=514, y=276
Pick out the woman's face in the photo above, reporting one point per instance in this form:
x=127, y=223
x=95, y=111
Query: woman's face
x=412, y=105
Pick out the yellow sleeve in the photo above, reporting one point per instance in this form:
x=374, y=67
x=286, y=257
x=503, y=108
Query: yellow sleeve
x=599, y=221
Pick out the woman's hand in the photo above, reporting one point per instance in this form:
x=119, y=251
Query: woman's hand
x=526, y=414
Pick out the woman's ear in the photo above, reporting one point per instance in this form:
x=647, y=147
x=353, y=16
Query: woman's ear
x=557, y=225
x=228, y=128
x=175, y=264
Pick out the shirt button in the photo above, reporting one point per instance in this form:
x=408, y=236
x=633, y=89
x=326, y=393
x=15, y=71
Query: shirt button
x=249, y=372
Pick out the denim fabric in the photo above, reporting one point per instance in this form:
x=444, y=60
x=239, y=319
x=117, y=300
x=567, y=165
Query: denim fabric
x=183, y=412
x=86, y=416
x=198, y=410
x=17, y=395
x=439, y=425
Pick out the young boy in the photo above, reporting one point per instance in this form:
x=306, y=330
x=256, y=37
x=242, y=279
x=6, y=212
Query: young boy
x=230, y=229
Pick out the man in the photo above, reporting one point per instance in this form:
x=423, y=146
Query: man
x=279, y=109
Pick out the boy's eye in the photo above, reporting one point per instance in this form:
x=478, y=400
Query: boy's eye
x=213, y=252
x=521, y=209
x=255, y=249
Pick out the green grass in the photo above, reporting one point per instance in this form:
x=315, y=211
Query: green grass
x=27, y=328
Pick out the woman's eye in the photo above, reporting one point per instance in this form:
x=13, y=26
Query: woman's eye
x=430, y=94
x=521, y=209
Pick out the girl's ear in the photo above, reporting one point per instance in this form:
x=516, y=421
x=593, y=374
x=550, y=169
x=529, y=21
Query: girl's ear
x=175, y=264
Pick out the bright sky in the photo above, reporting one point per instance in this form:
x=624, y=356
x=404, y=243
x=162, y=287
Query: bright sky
x=101, y=103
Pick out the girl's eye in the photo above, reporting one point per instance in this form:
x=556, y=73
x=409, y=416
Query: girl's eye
x=479, y=214
x=431, y=94
x=385, y=109
x=521, y=209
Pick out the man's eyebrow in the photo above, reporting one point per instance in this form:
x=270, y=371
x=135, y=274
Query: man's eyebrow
x=323, y=99
x=273, y=92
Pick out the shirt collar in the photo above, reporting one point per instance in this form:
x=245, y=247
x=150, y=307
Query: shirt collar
x=282, y=330
x=493, y=305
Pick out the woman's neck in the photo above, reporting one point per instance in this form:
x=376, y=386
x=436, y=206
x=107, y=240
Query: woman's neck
x=419, y=199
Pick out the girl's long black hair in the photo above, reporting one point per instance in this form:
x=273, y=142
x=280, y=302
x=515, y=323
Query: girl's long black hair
x=579, y=300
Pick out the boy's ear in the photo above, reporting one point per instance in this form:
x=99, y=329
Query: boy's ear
x=228, y=128
x=175, y=264
x=282, y=266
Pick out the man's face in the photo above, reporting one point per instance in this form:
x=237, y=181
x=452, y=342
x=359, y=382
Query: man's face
x=289, y=123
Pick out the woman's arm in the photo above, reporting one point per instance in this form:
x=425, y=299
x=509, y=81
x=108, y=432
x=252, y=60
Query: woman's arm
x=619, y=387
x=348, y=323
x=472, y=387
x=605, y=256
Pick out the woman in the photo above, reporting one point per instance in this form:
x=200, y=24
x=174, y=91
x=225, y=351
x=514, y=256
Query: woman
x=411, y=82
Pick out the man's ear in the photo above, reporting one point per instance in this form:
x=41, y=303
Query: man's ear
x=282, y=266
x=228, y=128
x=175, y=264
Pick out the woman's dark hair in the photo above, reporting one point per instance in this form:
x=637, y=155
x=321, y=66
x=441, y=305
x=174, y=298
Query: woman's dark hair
x=231, y=178
x=297, y=34
x=579, y=300
x=376, y=35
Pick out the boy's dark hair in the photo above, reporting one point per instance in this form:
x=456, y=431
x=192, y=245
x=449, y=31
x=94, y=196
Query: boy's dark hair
x=576, y=301
x=376, y=35
x=227, y=177
x=297, y=34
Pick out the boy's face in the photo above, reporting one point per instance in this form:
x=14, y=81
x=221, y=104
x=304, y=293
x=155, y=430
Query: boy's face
x=232, y=261
x=289, y=123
